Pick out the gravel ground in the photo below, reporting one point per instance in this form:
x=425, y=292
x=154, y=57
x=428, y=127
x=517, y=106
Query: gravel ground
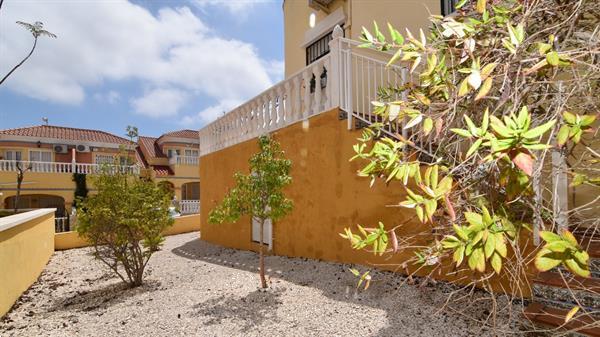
x=195, y=288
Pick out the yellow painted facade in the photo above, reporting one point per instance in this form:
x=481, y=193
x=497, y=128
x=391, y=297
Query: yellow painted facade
x=182, y=224
x=25, y=248
x=411, y=14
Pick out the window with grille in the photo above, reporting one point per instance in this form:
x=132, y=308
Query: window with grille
x=319, y=48
x=104, y=159
x=448, y=6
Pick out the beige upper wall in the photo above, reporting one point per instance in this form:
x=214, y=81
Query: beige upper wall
x=411, y=14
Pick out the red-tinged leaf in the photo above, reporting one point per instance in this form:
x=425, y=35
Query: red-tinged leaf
x=524, y=162
x=450, y=208
x=394, y=239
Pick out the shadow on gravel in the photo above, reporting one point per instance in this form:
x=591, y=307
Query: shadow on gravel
x=338, y=284
x=252, y=310
x=100, y=298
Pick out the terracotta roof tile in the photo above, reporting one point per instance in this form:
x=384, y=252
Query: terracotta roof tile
x=162, y=170
x=60, y=132
x=149, y=144
x=192, y=134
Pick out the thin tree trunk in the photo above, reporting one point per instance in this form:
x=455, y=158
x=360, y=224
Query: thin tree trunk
x=261, y=264
x=19, y=182
x=20, y=63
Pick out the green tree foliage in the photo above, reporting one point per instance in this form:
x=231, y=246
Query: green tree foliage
x=81, y=190
x=497, y=88
x=124, y=222
x=258, y=194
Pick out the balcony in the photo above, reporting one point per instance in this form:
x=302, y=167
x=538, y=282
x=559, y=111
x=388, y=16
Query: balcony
x=58, y=167
x=183, y=160
x=349, y=79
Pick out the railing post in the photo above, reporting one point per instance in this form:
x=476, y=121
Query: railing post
x=306, y=74
x=296, y=110
x=285, y=101
x=317, y=70
x=334, y=73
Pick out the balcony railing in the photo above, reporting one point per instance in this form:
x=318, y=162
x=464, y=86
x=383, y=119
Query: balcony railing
x=57, y=167
x=189, y=206
x=183, y=160
x=348, y=77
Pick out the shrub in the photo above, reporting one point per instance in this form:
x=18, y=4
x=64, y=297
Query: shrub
x=124, y=222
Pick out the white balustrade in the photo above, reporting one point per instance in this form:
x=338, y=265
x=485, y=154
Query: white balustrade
x=189, y=207
x=348, y=77
x=183, y=160
x=61, y=167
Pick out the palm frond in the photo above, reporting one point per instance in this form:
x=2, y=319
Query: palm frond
x=36, y=29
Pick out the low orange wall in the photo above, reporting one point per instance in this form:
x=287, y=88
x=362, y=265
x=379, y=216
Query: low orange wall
x=182, y=224
x=327, y=194
x=25, y=247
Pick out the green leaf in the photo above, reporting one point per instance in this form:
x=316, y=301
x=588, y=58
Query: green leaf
x=563, y=135
x=558, y=246
x=546, y=260
x=577, y=269
x=485, y=89
x=496, y=262
x=549, y=236
x=552, y=58
x=500, y=241
x=477, y=260
x=459, y=255
x=419, y=211
x=587, y=120
x=474, y=219
x=427, y=125
x=462, y=132
x=490, y=246
x=474, y=147
x=569, y=117
x=461, y=232
x=540, y=130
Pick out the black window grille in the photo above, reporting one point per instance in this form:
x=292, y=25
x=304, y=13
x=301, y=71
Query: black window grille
x=448, y=6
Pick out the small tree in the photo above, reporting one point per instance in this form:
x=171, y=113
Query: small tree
x=20, y=176
x=124, y=222
x=258, y=194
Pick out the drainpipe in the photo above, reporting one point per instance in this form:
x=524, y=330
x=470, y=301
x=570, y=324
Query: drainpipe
x=73, y=162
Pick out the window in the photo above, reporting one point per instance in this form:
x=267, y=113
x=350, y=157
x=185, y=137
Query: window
x=43, y=156
x=104, y=159
x=448, y=6
x=13, y=155
x=191, y=153
x=190, y=191
x=318, y=49
x=172, y=153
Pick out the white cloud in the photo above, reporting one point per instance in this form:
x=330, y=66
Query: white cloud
x=209, y=114
x=116, y=40
x=160, y=102
x=238, y=7
x=275, y=69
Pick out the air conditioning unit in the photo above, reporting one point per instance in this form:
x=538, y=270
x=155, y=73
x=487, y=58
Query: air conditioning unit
x=61, y=149
x=83, y=148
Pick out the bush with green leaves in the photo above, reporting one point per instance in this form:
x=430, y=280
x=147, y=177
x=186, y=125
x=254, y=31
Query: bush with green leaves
x=258, y=194
x=495, y=91
x=124, y=222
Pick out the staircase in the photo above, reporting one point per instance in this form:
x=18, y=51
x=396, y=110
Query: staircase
x=556, y=292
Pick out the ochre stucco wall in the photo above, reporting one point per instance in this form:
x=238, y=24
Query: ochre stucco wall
x=24, y=251
x=328, y=196
x=182, y=224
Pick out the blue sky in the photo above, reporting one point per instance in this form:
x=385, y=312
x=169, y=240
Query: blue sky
x=158, y=65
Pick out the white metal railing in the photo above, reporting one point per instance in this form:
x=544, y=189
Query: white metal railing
x=349, y=79
x=183, y=160
x=61, y=224
x=189, y=206
x=58, y=167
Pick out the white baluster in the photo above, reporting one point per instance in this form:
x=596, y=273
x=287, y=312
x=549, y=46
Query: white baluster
x=317, y=70
x=306, y=76
x=296, y=109
x=286, y=100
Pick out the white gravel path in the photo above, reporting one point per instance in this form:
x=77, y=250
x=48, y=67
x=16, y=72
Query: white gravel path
x=197, y=289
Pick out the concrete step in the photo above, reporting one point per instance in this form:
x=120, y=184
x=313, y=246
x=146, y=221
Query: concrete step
x=551, y=317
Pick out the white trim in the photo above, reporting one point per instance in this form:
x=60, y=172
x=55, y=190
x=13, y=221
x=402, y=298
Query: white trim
x=56, y=141
x=11, y=221
x=324, y=27
x=169, y=139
